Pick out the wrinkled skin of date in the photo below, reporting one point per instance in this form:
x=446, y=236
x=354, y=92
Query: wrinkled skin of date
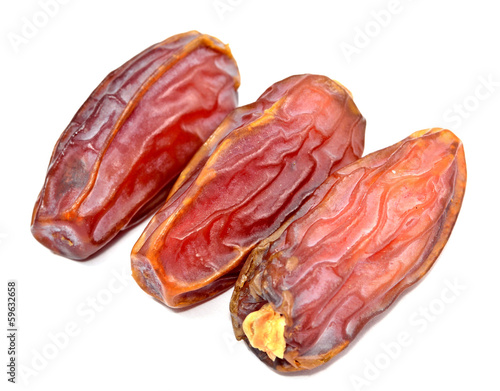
x=118, y=158
x=253, y=172
x=370, y=231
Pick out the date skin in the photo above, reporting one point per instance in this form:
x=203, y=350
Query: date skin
x=370, y=231
x=252, y=173
x=119, y=156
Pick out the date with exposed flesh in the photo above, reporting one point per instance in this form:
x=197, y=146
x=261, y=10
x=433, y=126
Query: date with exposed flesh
x=370, y=231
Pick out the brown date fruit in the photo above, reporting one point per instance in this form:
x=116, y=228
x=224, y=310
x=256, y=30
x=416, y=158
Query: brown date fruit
x=370, y=231
x=119, y=156
x=251, y=174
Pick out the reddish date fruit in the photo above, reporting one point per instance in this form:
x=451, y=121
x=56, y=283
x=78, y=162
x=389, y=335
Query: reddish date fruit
x=252, y=173
x=116, y=161
x=371, y=230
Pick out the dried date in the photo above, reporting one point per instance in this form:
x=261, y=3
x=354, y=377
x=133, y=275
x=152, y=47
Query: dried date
x=252, y=173
x=371, y=230
x=117, y=159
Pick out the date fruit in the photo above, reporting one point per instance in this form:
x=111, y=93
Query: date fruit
x=119, y=156
x=252, y=173
x=370, y=231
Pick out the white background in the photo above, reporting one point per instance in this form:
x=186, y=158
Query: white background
x=413, y=64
